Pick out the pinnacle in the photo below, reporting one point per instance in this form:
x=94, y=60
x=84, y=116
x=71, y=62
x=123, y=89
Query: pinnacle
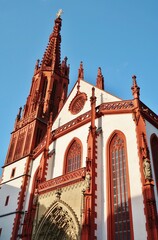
x=81, y=71
x=100, y=79
x=135, y=89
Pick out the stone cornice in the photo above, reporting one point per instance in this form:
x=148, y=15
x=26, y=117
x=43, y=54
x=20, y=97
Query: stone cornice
x=62, y=181
x=24, y=121
x=75, y=123
x=117, y=107
x=148, y=114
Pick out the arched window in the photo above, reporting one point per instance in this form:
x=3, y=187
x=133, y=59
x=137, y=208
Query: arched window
x=44, y=88
x=73, y=156
x=120, y=220
x=154, y=150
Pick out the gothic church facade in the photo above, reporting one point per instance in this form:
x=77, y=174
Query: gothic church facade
x=82, y=166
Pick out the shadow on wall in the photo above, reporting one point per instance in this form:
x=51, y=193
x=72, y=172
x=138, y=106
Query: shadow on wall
x=59, y=223
x=127, y=221
x=9, y=209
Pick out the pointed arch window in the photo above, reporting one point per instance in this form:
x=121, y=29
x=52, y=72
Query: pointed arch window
x=154, y=150
x=73, y=157
x=44, y=88
x=120, y=220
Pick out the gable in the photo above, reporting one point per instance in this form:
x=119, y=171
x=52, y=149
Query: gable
x=78, y=102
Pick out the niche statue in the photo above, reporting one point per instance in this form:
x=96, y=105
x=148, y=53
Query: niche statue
x=147, y=169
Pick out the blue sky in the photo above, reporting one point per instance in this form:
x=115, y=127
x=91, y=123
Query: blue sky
x=120, y=36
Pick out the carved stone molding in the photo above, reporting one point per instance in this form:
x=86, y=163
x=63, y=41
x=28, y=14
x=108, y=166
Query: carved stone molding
x=59, y=222
x=78, y=103
x=117, y=106
x=149, y=114
x=62, y=181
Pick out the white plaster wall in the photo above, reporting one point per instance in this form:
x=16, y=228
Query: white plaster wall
x=51, y=160
x=101, y=198
x=6, y=223
x=10, y=187
x=61, y=147
x=19, y=165
x=150, y=129
x=102, y=96
x=125, y=124
x=34, y=165
x=12, y=190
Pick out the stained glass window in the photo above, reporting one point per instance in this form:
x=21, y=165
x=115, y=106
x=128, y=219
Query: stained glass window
x=74, y=157
x=120, y=216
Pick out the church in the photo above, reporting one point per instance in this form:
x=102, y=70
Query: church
x=79, y=166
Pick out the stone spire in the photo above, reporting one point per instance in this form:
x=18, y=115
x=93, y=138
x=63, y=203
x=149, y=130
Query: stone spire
x=100, y=80
x=51, y=57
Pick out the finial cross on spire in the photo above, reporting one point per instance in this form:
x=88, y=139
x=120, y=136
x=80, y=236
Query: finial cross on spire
x=59, y=13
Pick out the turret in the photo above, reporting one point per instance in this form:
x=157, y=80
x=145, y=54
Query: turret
x=47, y=95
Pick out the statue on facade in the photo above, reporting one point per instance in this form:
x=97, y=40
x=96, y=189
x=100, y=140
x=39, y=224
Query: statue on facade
x=59, y=13
x=147, y=169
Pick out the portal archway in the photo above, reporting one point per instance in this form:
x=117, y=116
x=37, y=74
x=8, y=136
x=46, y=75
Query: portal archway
x=59, y=222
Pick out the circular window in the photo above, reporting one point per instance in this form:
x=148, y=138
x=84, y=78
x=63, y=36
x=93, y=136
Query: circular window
x=78, y=103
